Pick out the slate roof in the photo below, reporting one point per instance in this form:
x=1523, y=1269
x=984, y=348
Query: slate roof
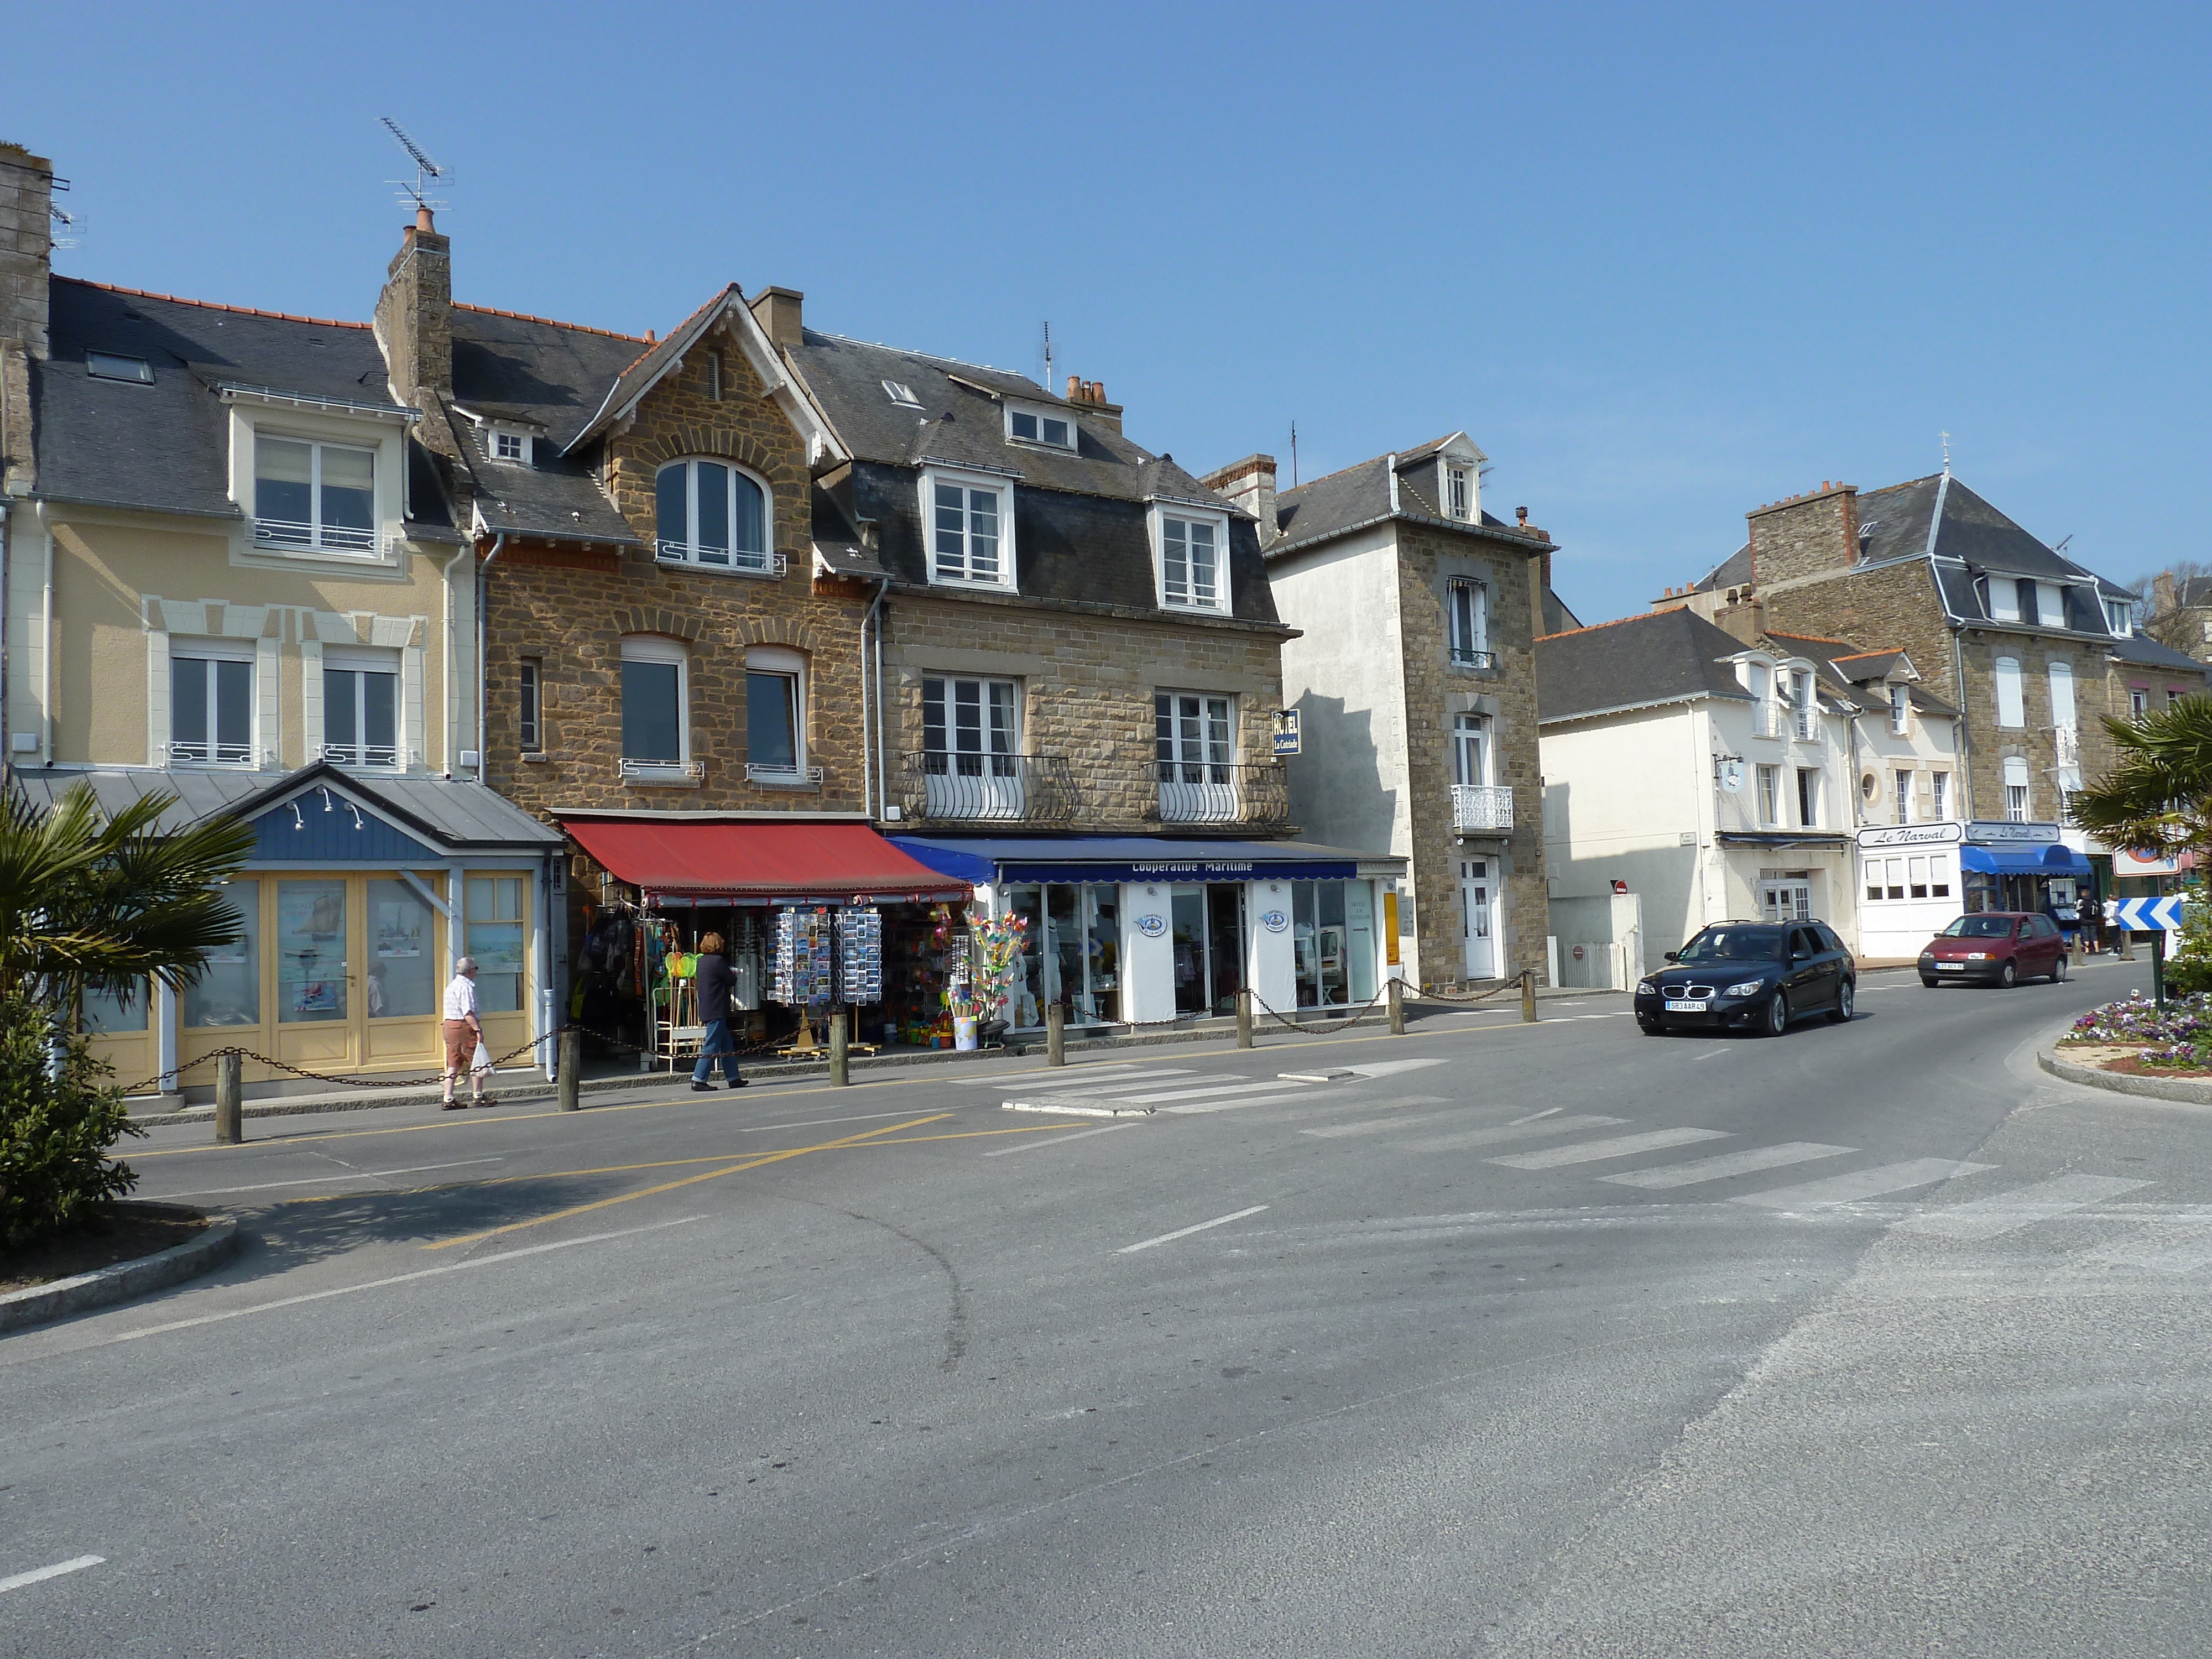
x=1360, y=495
x=166, y=447
x=1859, y=675
x=1639, y=662
x=460, y=815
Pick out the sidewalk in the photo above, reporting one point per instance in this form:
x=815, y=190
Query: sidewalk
x=604, y=1076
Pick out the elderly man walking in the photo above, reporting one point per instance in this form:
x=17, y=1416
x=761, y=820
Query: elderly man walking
x=464, y=1031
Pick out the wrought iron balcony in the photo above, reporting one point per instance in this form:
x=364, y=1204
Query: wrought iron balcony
x=1196, y=792
x=291, y=536
x=212, y=754
x=662, y=771
x=738, y=560
x=360, y=754
x=1465, y=656
x=965, y=788
x=782, y=777
x=1482, y=806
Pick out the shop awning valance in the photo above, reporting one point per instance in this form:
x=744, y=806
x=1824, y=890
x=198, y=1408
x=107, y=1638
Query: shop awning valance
x=2023, y=860
x=748, y=863
x=1133, y=859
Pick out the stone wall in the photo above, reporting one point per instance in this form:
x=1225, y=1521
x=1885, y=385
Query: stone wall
x=1891, y=607
x=1811, y=535
x=1437, y=692
x=1087, y=674
x=569, y=609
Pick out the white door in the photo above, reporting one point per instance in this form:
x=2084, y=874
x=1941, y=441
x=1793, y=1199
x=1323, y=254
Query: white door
x=971, y=767
x=1481, y=958
x=1785, y=901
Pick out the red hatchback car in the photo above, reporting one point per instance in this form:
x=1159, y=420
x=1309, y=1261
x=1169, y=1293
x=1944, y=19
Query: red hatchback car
x=1997, y=947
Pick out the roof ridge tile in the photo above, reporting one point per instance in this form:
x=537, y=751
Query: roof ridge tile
x=213, y=305
x=526, y=317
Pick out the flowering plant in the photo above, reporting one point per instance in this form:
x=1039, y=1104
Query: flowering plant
x=2179, y=1035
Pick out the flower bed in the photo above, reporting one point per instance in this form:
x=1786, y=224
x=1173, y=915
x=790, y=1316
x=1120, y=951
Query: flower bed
x=2176, y=1039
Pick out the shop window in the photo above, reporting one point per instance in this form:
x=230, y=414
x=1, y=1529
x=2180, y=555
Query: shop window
x=710, y=514
x=654, y=731
x=1893, y=870
x=212, y=704
x=311, y=952
x=403, y=957
x=229, y=990
x=1939, y=875
x=495, y=939
x=110, y=1013
x=529, y=689
x=314, y=497
x=360, y=708
x=1919, y=873
x=1319, y=943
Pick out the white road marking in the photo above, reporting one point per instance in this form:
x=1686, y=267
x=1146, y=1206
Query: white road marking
x=1208, y=1092
x=809, y=1122
x=1122, y=1070
x=418, y=1168
x=325, y=1180
x=1549, y=1111
x=1375, y=1068
x=1123, y=1086
x=1727, y=1164
x=1375, y=1126
x=1055, y=1141
x=1589, y=1152
x=1490, y=1137
x=1189, y=1108
x=1185, y=1232
x=2172, y=1245
x=75, y=1563
x=1073, y=1106
x=1864, y=1183
x=1986, y=1218
x=379, y=1283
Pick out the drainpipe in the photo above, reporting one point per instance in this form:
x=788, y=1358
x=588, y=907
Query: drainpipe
x=6, y=738
x=879, y=785
x=1965, y=755
x=447, y=693
x=47, y=648
x=483, y=588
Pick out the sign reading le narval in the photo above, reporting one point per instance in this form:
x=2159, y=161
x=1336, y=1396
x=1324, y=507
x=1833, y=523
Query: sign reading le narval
x=1911, y=835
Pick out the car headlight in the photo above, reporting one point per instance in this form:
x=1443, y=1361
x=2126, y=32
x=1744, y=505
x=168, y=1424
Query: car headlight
x=1928, y=956
x=1749, y=987
x=1645, y=988
x=1978, y=956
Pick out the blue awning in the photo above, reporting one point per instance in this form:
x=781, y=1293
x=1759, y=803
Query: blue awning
x=2054, y=860
x=1126, y=858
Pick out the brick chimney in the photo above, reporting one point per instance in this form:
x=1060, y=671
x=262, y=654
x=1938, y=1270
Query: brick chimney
x=1090, y=396
x=415, y=314
x=777, y=311
x=1250, y=483
x=27, y=247
x=1814, y=534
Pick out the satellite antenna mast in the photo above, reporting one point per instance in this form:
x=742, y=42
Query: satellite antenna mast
x=427, y=171
x=1048, y=356
x=1294, y=454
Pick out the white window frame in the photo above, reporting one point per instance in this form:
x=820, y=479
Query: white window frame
x=1904, y=782
x=2003, y=593
x=1458, y=491
x=787, y=664
x=496, y=438
x=2005, y=672
x=254, y=415
x=1939, y=791
x=1467, y=653
x=762, y=561
x=1804, y=704
x=118, y=366
x=2119, y=618
x=1809, y=797
x=211, y=651
x=2049, y=605
x=654, y=648
x=1160, y=513
x=358, y=659
x=969, y=483
x=1768, y=784
x=349, y=546
x=2017, y=779
x=1474, y=731
x=901, y=394
x=1900, y=711
x=1040, y=415
x=530, y=704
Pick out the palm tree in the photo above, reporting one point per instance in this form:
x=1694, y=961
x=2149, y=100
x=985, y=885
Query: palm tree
x=2158, y=794
x=93, y=901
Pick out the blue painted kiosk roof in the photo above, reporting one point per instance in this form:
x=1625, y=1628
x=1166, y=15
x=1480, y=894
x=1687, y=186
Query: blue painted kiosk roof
x=2051, y=861
x=1127, y=858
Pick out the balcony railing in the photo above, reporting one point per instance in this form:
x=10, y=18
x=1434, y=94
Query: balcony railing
x=1202, y=792
x=291, y=535
x=1482, y=806
x=967, y=787
x=213, y=754
x=782, y=777
x=1465, y=656
x=360, y=754
x=2067, y=741
x=662, y=771
x=720, y=558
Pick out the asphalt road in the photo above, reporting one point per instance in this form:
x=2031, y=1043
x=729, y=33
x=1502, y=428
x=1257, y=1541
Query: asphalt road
x=1543, y=1340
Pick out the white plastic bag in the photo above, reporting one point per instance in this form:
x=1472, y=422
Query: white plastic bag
x=483, y=1060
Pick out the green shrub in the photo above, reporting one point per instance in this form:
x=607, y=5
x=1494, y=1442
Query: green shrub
x=2189, y=971
x=55, y=1129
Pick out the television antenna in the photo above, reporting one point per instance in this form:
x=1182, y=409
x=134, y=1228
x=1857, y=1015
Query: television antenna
x=70, y=222
x=427, y=171
x=1048, y=356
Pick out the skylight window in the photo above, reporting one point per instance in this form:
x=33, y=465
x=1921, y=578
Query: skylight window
x=1033, y=427
x=902, y=395
x=107, y=366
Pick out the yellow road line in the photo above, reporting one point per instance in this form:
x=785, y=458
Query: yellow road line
x=688, y=1181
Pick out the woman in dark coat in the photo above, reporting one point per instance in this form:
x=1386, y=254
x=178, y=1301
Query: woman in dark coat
x=715, y=982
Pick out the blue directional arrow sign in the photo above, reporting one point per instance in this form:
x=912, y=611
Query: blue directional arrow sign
x=2148, y=915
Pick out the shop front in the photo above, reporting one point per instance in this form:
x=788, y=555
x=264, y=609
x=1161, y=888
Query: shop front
x=358, y=899
x=1121, y=930
x=1909, y=887
x=2022, y=866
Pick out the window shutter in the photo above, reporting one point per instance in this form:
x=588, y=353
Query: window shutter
x=2010, y=710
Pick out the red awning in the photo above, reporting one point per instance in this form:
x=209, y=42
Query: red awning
x=842, y=863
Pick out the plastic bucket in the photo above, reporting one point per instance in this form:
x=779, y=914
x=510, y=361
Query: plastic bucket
x=963, y=1032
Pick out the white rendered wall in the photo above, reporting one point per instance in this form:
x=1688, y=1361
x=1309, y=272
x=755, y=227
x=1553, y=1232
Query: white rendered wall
x=1270, y=965
x=1148, y=992
x=1620, y=792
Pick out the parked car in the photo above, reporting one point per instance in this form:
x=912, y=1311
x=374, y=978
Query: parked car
x=1752, y=975
x=1996, y=947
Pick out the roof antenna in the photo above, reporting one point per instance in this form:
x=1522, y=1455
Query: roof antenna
x=1294, y=454
x=1048, y=356
x=427, y=171
x=1947, y=453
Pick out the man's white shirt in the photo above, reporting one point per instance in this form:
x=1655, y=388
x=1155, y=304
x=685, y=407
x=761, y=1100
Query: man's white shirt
x=460, y=997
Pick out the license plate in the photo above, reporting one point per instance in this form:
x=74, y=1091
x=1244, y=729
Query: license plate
x=1684, y=1005
x=1950, y=967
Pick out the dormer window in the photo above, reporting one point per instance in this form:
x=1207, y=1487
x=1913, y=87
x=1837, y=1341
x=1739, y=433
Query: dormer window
x=1900, y=710
x=1031, y=426
x=710, y=514
x=510, y=445
x=902, y=395
x=2119, y=618
x=1459, y=492
x=970, y=528
x=1193, y=555
x=314, y=495
x=107, y=365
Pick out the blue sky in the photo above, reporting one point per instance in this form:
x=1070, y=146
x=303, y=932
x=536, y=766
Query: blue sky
x=1663, y=265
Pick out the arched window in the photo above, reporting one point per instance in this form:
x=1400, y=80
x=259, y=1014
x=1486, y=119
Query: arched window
x=710, y=514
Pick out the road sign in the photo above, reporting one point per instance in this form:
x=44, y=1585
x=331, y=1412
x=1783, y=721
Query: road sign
x=1286, y=732
x=2146, y=915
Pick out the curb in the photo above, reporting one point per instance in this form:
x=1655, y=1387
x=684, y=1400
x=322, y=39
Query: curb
x=2180, y=1090
x=105, y=1285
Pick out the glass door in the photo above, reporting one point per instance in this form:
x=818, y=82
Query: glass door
x=1224, y=943
x=1102, y=955
x=314, y=980
x=1187, y=912
x=1479, y=959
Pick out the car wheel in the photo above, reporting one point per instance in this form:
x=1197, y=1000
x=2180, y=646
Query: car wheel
x=2058, y=971
x=1841, y=1014
x=2008, y=977
x=1777, y=1016
x=1652, y=1027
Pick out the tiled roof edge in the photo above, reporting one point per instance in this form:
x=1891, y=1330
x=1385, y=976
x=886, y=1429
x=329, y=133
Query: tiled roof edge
x=213, y=304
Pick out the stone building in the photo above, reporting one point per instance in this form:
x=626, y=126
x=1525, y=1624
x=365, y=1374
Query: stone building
x=1077, y=683
x=2033, y=648
x=1414, y=680
x=233, y=580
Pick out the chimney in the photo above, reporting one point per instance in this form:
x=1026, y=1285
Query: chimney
x=1814, y=534
x=1090, y=396
x=415, y=314
x=1745, y=623
x=27, y=247
x=1250, y=483
x=777, y=311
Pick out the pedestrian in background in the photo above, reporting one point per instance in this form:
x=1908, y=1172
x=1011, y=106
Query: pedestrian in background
x=715, y=980
x=464, y=1034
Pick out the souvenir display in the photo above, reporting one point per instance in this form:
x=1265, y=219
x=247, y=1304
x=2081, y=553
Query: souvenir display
x=860, y=955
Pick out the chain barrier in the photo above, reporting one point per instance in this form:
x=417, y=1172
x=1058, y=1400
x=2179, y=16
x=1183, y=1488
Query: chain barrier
x=1513, y=984
x=1336, y=1023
